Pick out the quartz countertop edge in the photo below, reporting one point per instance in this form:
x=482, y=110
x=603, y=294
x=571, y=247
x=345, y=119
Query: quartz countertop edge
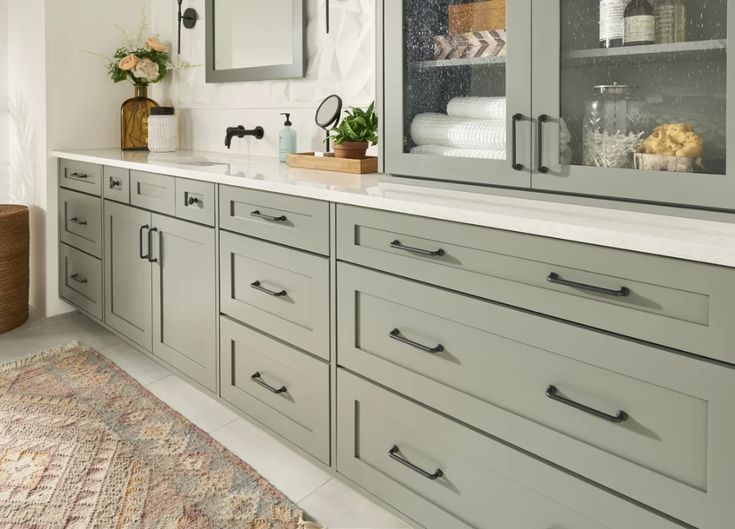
x=677, y=237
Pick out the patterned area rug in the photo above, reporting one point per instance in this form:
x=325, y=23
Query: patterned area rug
x=84, y=446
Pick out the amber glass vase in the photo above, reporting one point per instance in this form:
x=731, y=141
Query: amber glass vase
x=134, y=115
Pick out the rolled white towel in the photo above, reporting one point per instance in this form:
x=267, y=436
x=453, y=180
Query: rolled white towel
x=465, y=133
x=477, y=107
x=454, y=152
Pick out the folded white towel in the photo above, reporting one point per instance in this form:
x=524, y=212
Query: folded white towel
x=453, y=152
x=465, y=133
x=477, y=107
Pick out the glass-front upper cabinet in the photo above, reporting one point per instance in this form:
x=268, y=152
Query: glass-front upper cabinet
x=630, y=99
x=458, y=90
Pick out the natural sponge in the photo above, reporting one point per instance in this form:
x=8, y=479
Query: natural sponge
x=674, y=139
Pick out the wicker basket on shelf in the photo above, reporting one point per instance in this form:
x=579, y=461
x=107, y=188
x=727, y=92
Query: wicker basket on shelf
x=14, y=273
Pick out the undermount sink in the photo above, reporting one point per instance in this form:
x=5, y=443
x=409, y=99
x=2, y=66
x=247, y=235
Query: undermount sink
x=199, y=162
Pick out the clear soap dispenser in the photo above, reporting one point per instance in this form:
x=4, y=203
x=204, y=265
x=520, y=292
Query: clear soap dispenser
x=286, y=139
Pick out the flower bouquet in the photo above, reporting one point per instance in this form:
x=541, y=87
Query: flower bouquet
x=142, y=62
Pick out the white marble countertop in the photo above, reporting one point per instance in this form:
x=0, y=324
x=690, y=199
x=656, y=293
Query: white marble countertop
x=682, y=238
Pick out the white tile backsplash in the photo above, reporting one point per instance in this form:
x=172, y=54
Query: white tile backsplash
x=341, y=62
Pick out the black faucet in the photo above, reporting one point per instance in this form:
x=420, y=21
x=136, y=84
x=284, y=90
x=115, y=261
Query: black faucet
x=241, y=132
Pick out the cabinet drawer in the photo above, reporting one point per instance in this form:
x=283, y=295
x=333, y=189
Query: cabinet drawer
x=154, y=192
x=443, y=475
x=116, y=184
x=80, y=221
x=195, y=201
x=81, y=176
x=679, y=304
x=285, y=389
x=280, y=291
x=491, y=367
x=293, y=221
x=80, y=280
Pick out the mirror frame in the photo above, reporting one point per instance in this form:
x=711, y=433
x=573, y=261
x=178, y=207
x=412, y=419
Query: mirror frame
x=259, y=73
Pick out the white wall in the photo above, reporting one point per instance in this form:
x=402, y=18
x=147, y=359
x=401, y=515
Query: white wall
x=27, y=101
x=4, y=106
x=342, y=62
x=60, y=98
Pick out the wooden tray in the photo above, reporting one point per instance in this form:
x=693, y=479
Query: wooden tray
x=307, y=160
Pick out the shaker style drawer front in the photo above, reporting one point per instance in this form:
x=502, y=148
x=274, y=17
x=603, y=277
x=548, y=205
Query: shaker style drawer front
x=285, y=389
x=80, y=281
x=280, y=291
x=299, y=222
x=638, y=419
x=442, y=474
x=195, y=201
x=154, y=192
x=665, y=301
x=80, y=221
x=116, y=184
x=81, y=176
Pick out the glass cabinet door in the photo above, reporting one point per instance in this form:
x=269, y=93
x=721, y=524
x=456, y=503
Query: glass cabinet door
x=630, y=100
x=458, y=90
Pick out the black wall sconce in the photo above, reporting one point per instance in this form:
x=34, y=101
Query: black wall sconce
x=188, y=19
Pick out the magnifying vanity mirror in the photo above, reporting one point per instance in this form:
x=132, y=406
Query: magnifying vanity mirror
x=254, y=40
x=327, y=115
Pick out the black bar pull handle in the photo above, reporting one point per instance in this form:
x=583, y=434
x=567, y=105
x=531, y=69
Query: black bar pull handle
x=79, y=221
x=150, y=245
x=514, y=149
x=553, y=393
x=79, y=278
x=396, y=335
x=140, y=242
x=257, y=285
x=395, y=454
x=79, y=175
x=398, y=245
x=115, y=184
x=192, y=200
x=543, y=118
x=258, y=379
x=555, y=278
x=269, y=218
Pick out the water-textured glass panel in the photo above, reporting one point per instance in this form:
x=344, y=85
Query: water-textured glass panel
x=644, y=84
x=455, y=55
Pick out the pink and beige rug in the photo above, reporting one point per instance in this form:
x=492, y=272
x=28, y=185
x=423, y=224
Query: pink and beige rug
x=84, y=446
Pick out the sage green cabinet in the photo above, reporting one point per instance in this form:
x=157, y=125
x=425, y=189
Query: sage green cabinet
x=160, y=284
x=128, y=279
x=282, y=388
x=575, y=115
x=421, y=140
x=185, y=298
x=445, y=475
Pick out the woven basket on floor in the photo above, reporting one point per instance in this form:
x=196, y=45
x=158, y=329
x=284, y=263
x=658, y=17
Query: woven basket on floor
x=14, y=275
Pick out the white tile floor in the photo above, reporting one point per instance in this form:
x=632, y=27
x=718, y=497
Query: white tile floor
x=330, y=501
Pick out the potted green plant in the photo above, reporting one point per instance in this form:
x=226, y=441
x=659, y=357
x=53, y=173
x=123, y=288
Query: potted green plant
x=355, y=133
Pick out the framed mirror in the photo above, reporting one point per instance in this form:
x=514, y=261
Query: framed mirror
x=254, y=40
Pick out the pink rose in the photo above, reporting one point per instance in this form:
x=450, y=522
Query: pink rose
x=128, y=63
x=156, y=45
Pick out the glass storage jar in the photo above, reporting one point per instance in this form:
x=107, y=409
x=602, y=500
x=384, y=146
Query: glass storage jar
x=614, y=126
x=163, y=130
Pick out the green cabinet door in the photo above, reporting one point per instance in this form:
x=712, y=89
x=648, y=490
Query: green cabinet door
x=457, y=107
x=128, y=272
x=184, y=298
x=589, y=128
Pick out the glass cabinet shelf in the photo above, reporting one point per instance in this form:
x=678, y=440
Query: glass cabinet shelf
x=454, y=63
x=670, y=52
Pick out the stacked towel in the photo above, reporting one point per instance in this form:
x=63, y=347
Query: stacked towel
x=453, y=152
x=474, y=127
x=463, y=133
x=477, y=107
